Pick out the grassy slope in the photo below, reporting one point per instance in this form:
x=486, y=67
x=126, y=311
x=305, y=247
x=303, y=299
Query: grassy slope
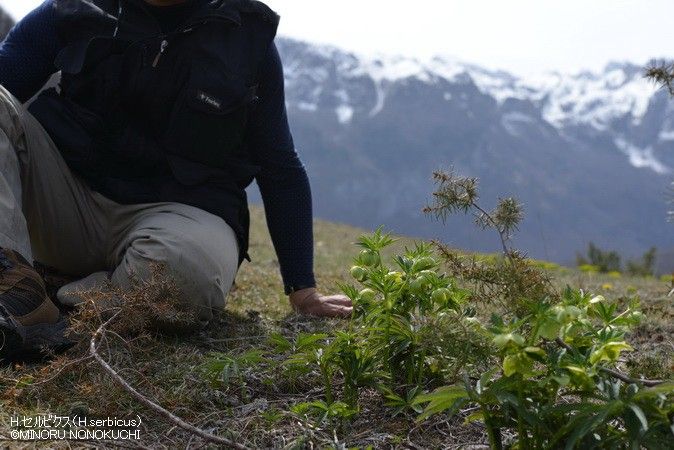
x=166, y=368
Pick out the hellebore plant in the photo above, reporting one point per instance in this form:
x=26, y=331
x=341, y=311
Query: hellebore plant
x=409, y=330
x=556, y=383
x=542, y=373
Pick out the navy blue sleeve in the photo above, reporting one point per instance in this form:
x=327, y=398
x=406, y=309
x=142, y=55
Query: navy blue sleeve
x=27, y=54
x=283, y=181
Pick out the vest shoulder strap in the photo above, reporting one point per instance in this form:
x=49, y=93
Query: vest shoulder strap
x=78, y=19
x=259, y=8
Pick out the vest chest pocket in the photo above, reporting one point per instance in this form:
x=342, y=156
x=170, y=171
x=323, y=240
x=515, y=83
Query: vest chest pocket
x=208, y=121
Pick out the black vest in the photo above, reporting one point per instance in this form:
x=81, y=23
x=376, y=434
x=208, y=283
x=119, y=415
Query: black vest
x=143, y=116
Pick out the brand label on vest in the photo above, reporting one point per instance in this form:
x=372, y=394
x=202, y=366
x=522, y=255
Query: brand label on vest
x=209, y=100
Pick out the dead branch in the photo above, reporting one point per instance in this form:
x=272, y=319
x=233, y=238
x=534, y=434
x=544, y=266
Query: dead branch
x=145, y=401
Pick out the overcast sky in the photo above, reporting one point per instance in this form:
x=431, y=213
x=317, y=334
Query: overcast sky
x=523, y=36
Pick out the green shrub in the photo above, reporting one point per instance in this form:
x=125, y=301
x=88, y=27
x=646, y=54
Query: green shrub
x=410, y=330
x=598, y=260
x=644, y=267
x=540, y=373
x=555, y=383
x=605, y=261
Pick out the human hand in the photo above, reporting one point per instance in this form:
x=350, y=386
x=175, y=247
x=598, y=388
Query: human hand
x=310, y=302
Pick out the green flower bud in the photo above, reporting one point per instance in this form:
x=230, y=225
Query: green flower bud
x=566, y=314
x=573, y=312
x=502, y=340
x=423, y=263
x=367, y=295
x=428, y=274
x=359, y=273
x=418, y=285
x=441, y=296
x=395, y=277
x=369, y=258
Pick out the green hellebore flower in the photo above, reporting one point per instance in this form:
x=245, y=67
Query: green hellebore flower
x=359, y=273
x=418, y=285
x=441, y=296
x=367, y=295
x=423, y=263
x=369, y=258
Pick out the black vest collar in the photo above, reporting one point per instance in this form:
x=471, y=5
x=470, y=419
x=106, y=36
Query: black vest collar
x=135, y=19
x=80, y=18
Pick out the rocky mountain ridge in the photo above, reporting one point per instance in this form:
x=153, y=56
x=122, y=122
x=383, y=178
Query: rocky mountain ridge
x=591, y=155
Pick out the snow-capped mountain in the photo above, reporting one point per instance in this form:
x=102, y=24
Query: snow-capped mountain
x=600, y=101
x=590, y=154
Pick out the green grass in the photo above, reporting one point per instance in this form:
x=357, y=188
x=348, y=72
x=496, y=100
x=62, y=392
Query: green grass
x=253, y=405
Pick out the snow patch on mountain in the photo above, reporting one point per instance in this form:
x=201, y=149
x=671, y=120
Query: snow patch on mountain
x=581, y=99
x=324, y=64
x=306, y=106
x=642, y=157
x=344, y=114
x=515, y=123
x=390, y=69
x=379, y=105
x=665, y=136
x=596, y=99
x=501, y=86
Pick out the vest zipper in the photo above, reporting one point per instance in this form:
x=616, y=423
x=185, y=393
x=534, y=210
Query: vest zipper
x=162, y=48
x=184, y=29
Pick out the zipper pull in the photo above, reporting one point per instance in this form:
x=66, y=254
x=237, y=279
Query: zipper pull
x=162, y=48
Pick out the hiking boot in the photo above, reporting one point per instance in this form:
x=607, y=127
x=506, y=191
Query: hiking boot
x=29, y=320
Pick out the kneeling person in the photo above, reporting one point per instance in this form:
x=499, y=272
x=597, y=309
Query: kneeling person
x=165, y=112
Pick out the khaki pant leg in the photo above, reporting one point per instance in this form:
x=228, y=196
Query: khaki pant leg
x=13, y=227
x=198, y=250
x=43, y=206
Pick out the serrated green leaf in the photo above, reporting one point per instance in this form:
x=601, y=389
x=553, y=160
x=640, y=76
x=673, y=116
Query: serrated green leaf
x=444, y=399
x=280, y=343
x=309, y=340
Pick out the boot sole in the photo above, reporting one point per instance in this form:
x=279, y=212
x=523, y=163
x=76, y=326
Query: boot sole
x=17, y=340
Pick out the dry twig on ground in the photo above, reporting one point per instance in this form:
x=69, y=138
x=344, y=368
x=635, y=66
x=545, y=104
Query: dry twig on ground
x=93, y=350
